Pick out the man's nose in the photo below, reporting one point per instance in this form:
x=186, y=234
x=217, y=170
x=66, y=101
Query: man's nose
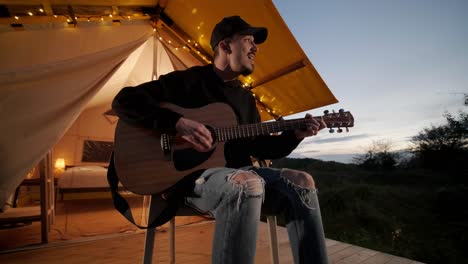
x=254, y=47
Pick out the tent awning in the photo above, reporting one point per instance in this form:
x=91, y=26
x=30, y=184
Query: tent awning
x=284, y=81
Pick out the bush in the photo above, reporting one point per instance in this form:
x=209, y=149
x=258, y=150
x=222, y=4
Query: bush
x=444, y=146
x=378, y=156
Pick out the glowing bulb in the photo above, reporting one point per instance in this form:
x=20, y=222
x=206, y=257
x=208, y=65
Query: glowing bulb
x=129, y=17
x=41, y=10
x=60, y=164
x=16, y=17
x=169, y=41
x=189, y=41
x=102, y=19
x=29, y=13
x=110, y=15
x=68, y=20
x=176, y=48
x=89, y=20
x=55, y=16
x=154, y=29
x=160, y=38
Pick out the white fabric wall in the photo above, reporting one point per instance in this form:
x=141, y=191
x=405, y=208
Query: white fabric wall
x=47, y=77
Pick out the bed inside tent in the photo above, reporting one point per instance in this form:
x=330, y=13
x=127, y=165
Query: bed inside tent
x=61, y=69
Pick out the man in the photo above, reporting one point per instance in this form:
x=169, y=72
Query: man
x=236, y=194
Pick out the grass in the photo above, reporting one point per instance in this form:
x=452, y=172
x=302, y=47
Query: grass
x=413, y=213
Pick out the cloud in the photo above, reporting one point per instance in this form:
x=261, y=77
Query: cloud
x=339, y=139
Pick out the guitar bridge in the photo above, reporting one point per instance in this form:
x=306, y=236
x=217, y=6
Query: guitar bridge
x=166, y=146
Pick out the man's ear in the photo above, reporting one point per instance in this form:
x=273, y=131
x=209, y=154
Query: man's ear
x=224, y=46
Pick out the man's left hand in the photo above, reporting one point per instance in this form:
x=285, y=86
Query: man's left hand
x=313, y=127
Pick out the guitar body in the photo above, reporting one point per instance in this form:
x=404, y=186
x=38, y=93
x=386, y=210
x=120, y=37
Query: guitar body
x=144, y=168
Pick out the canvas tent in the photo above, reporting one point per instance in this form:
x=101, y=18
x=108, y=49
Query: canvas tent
x=52, y=70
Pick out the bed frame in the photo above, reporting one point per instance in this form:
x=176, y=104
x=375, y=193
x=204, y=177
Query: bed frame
x=63, y=191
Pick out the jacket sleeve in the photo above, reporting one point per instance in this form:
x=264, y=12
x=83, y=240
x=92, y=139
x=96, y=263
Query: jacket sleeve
x=139, y=106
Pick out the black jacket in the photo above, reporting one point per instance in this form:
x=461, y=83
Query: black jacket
x=196, y=87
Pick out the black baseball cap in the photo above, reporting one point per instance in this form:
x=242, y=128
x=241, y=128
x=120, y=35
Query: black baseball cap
x=235, y=24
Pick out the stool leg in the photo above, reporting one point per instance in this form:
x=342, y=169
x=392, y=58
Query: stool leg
x=172, y=239
x=149, y=237
x=273, y=239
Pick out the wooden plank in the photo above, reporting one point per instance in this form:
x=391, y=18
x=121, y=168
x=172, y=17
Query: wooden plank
x=358, y=257
x=399, y=260
x=331, y=242
x=337, y=247
x=342, y=254
x=380, y=258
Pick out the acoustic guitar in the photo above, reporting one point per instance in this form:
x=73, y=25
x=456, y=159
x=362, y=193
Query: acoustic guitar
x=148, y=162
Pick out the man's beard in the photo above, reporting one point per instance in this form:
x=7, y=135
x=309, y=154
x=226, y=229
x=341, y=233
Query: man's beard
x=246, y=71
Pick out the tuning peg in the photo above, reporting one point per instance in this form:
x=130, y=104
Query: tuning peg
x=339, y=130
x=326, y=112
x=331, y=130
x=341, y=110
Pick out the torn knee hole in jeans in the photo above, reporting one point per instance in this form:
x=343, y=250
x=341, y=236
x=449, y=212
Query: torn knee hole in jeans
x=250, y=185
x=299, y=179
x=306, y=195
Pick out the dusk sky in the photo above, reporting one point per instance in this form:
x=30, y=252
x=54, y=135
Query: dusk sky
x=397, y=65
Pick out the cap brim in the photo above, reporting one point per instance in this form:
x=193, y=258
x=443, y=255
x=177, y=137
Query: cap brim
x=260, y=33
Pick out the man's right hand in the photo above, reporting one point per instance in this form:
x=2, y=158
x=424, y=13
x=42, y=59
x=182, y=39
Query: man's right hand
x=195, y=133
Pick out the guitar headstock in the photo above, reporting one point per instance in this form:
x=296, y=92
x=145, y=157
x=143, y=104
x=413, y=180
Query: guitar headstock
x=340, y=119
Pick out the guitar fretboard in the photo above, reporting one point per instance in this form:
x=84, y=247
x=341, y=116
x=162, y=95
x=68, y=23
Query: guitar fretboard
x=243, y=131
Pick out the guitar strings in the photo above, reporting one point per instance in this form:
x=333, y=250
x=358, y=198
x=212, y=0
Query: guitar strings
x=242, y=131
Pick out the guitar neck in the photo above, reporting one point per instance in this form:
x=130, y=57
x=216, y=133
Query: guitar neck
x=244, y=131
x=342, y=119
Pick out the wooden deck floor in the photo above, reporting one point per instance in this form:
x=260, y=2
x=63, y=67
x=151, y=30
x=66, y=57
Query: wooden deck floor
x=193, y=245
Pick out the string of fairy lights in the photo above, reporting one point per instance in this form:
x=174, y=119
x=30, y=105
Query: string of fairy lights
x=74, y=19
x=182, y=44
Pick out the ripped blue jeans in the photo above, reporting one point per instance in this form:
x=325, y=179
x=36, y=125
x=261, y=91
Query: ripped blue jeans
x=237, y=207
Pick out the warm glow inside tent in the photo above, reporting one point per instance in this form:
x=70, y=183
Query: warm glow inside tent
x=57, y=78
